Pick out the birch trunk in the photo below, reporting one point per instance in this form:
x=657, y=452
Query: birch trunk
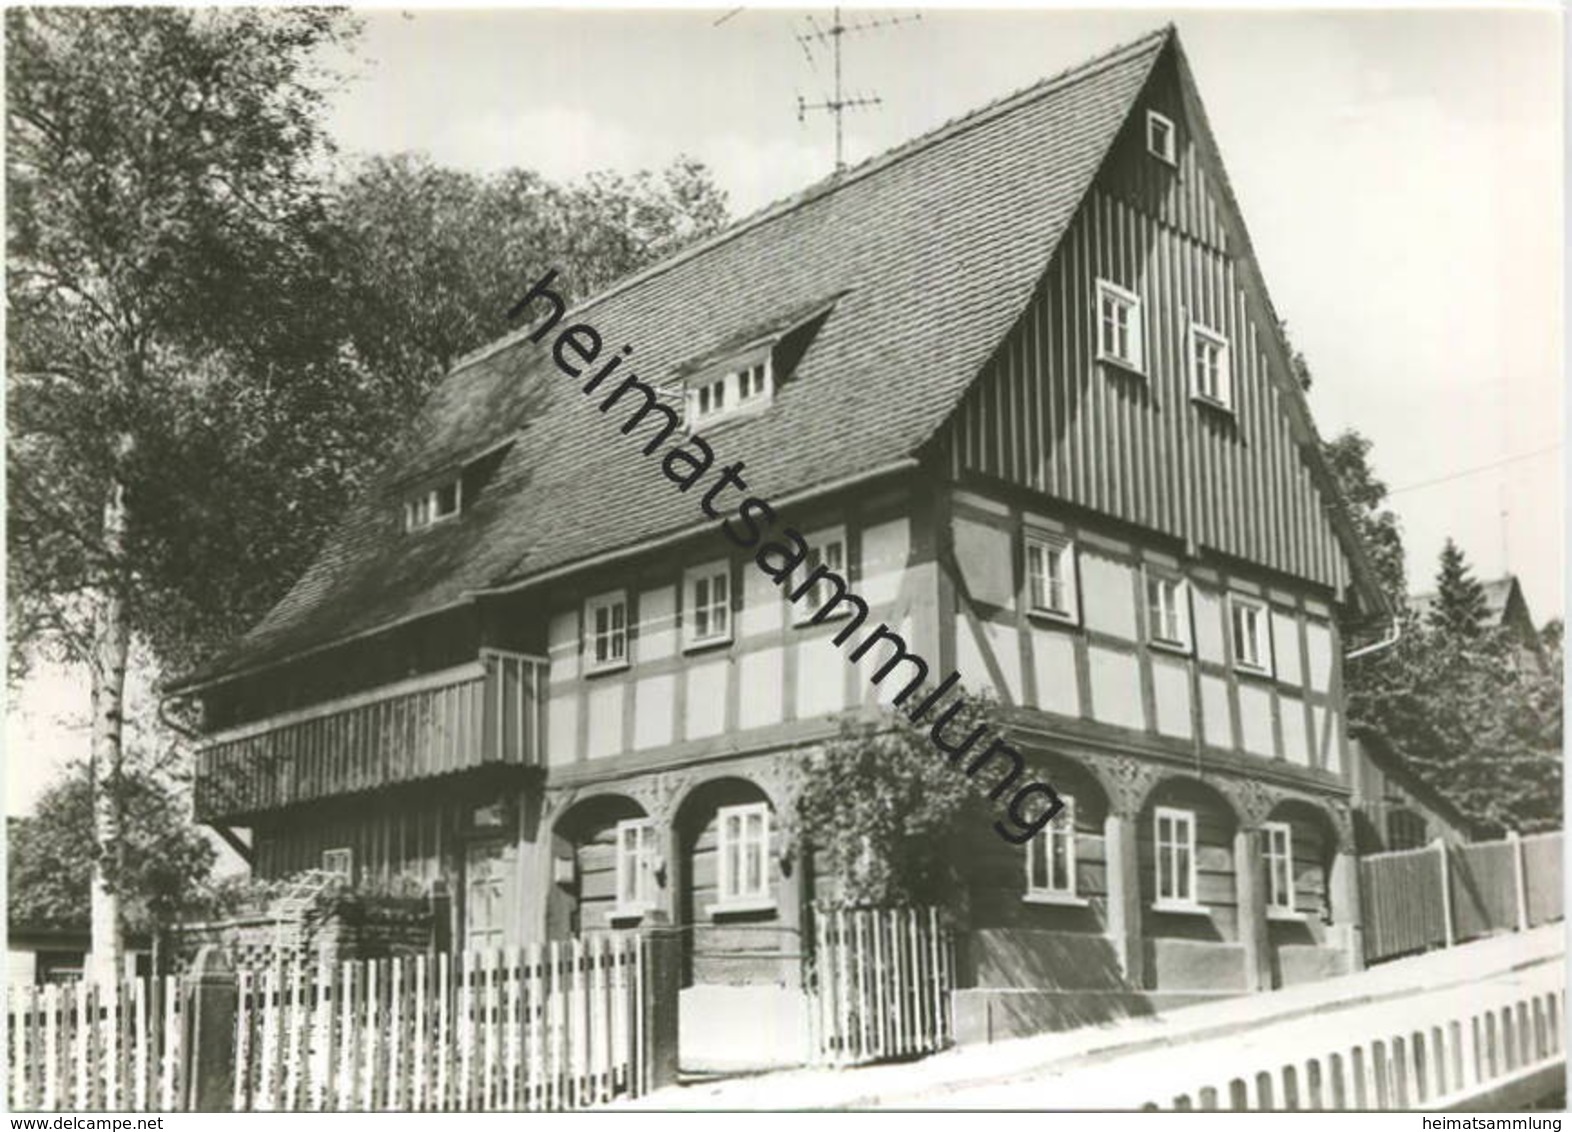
x=111, y=640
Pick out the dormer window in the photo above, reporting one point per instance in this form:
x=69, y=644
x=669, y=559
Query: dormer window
x=739, y=389
x=1160, y=137
x=432, y=505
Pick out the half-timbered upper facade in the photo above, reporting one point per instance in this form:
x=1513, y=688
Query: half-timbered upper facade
x=1020, y=382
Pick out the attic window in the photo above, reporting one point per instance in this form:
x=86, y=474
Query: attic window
x=1160, y=137
x=740, y=388
x=433, y=505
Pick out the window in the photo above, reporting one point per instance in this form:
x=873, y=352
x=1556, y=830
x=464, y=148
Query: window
x=1251, y=634
x=1160, y=137
x=1279, y=866
x=827, y=549
x=708, y=591
x=1168, y=611
x=1118, y=325
x=606, y=631
x=339, y=863
x=1175, y=857
x=1050, y=575
x=486, y=877
x=745, y=387
x=636, y=857
x=1050, y=856
x=432, y=506
x=744, y=850
x=1210, y=379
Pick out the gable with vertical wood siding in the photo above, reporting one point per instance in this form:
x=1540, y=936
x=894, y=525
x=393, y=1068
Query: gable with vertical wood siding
x=1046, y=415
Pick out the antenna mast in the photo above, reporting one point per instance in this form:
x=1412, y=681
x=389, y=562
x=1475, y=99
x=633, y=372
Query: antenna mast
x=838, y=104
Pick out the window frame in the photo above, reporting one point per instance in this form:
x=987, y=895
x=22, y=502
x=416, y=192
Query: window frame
x=611, y=599
x=1168, y=154
x=1185, y=642
x=1175, y=903
x=804, y=611
x=730, y=893
x=641, y=858
x=708, y=573
x=1276, y=906
x=1065, y=547
x=424, y=506
x=348, y=858
x=1224, y=399
x=731, y=380
x=1047, y=837
x=1262, y=637
x=1136, y=329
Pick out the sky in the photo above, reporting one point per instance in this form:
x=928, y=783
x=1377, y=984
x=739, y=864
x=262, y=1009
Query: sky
x=1400, y=173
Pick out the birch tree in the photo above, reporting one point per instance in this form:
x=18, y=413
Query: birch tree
x=160, y=170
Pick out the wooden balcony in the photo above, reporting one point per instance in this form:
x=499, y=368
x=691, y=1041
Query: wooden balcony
x=483, y=714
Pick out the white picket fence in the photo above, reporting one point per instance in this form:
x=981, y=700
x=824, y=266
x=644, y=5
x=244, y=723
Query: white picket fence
x=78, y=1047
x=1444, y=1055
x=545, y=1027
x=881, y=984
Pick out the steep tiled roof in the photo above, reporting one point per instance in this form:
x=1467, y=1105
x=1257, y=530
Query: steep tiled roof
x=929, y=253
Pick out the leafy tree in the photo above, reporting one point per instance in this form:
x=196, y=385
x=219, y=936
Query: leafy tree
x=430, y=259
x=159, y=174
x=162, y=867
x=881, y=807
x=1460, y=606
x=1365, y=494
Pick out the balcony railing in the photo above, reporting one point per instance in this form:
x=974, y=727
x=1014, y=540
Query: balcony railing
x=486, y=713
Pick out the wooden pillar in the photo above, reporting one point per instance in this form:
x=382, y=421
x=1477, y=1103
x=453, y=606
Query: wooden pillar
x=662, y=1001
x=1518, y=876
x=1124, y=897
x=1250, y=885
x=211, y=1003
x=1439, y=845
x=668, y=905
x=1347, y=912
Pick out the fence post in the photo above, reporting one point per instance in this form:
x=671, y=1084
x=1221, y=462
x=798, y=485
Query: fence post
x=211, y=1004
x=662, y=987
x=1518, y=875
x=1446, y=890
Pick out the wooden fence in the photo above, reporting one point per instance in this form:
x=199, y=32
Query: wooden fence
x=1417, y=899
x=546, y=1027
x=1449, y=1054
x=881, y=981
x=78, y=1047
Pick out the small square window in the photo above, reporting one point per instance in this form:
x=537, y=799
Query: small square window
x=1160, y=137
x=1168, y=611
x=606, y=631
x=1210, y=377
x=1050, y=576
x=827, y=549
x=1279, y=848
x=1050, y=856
x=1119, y=332
x=744, y=851
x=708, y=597
x=1251, y=634
x=339, y=863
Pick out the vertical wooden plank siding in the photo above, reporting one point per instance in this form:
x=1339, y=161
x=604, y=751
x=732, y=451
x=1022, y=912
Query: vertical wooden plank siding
x=1046, y=415
x=467, y=721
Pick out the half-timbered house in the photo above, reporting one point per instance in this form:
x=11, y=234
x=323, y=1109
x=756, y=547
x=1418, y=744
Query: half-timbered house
x=1021, y=382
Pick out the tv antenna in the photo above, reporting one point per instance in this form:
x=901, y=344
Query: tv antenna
x=839, y=103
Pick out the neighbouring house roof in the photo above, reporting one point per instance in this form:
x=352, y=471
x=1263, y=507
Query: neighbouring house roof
x=1380, y=751
x=1498, y=596
x=924, y=256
